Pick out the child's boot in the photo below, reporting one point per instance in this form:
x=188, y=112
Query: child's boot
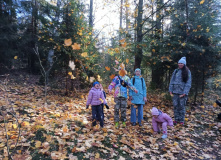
x=164, y=136
x=124, y=124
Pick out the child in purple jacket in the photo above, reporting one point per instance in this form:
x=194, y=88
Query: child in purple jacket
x=160, y=119
x=95, y=99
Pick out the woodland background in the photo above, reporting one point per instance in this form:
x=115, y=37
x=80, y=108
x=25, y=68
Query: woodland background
x=51, y=52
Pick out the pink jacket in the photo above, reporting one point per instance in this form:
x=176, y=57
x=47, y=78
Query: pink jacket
x=163, y=117
x=94, y=97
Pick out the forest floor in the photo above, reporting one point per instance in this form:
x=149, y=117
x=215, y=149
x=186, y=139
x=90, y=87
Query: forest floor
x=63, y=130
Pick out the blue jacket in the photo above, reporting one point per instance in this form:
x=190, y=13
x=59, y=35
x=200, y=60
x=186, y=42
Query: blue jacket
x=137, y=98
x=177, y=86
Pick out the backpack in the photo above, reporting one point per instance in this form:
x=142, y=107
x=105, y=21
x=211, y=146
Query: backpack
x=141, y=81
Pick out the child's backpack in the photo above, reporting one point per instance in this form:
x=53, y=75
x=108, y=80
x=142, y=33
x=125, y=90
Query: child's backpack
x=141, y=81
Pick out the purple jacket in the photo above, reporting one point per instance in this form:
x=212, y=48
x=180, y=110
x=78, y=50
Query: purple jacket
x=95, y=96
x=163, y=117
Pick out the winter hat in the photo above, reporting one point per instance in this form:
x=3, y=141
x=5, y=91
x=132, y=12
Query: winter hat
x=155, y=111
x=182, y=60
x=95, y=83
x=138, y=69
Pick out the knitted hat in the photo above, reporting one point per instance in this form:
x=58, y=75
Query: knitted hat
x=182, y=60
x=138, y=69
x=155, y=111
x=95, y=83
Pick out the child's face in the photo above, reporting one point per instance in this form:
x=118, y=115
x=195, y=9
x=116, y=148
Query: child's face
x=100, y=86
x=97, y=86
x=155, y=116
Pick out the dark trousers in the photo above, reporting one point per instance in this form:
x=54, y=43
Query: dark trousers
x=97, y=114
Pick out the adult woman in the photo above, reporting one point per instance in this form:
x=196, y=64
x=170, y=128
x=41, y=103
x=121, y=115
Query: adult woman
x=139, y=98
x=179, y=87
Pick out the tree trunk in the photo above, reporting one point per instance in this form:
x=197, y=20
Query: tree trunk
x=127, y=11
x=121, y=17
x=91, y=15
x=32, y=57
x=138, y=48
x=157, y=73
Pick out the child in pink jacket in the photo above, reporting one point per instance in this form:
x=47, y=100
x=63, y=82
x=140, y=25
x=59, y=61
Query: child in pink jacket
x=160, y=119
x=96, y=99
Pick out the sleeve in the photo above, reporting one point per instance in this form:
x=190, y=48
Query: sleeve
x=168, y=119
x=130, y=90
x=171, y=82
x=188, y=84
x=102, y=97
x=154, y=124
x=113, y=83
x=144, y=88
x=89, y=99
x=130, y=85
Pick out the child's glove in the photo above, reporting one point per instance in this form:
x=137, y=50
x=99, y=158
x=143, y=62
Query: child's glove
x=107, y=106
x=87, y=106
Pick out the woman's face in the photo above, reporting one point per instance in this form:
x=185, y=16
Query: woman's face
x=180, y=65
x=137, y=73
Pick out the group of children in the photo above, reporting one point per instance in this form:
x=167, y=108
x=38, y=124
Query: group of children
x=96, y=99
x=179, y=88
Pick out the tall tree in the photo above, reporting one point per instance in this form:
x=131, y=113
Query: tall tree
x=138, y=48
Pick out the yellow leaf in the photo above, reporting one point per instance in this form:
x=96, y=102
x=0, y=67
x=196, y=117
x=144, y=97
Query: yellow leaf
x=175, y=143
x=25, y=123
x=14, y=126
x=183, y=44
x=76, y=46
x=122, y=66
x=122, y=72
x=214, y=104
x=38, y=144
x=101, y=100
x=70, y=73
x=117, y=50
x=99, y=78
x=122, y=40
x=127, y=61
x=124, y=44
x=84, y=54
x=2, y=145
x=207, y=29
x=65, y=129
x=97, y=155
x=201, y=2
x=107, y=68
x=72, y=77
x=202, y=107
x=80, y=33
x=15, y=57
x=112, y=76
x=67, y=42
x=153, y=50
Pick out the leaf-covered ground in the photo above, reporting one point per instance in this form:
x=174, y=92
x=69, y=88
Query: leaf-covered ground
x=63, y=130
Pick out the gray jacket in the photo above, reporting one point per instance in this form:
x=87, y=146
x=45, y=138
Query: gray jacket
x=177, y=86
